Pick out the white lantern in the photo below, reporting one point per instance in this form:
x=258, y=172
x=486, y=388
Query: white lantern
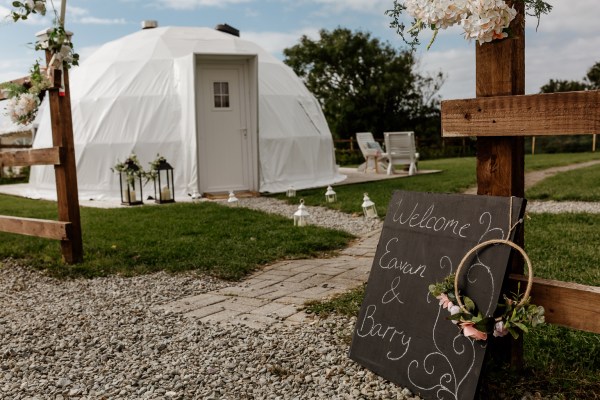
x=301, y=216
x=368, y=207
x=291, y=192
x=196, y=197
x=232, y=201
x=330, y=195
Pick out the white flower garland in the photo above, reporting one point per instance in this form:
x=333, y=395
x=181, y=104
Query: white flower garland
x=482, y=20
x=23, y=108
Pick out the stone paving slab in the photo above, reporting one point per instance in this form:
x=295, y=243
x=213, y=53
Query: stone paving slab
x=275, y=294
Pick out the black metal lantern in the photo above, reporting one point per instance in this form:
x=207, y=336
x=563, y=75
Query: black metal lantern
x=164, y=189
x=127, y=182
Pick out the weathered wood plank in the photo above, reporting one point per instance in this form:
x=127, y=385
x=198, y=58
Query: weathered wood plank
x=49, y=156
x=66, y=173
x=569, y=113
x=567, y=304
x=35, y=227
x=15, y=146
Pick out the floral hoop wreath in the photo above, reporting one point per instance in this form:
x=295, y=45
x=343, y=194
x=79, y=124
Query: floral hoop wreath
x=518, y=315
x=486, y=244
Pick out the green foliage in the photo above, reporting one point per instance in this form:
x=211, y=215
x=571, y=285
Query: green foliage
x=513, y=314
x=366, y=85
x=24, y=9
x=173, y=237
x=13, y=89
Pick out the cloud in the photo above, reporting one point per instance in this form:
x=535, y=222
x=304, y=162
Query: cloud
x=193, y=4
x=4, y=12
x=14, y=69
x=275, y=42
x=458, y=66
x=569, y=16
x=102, y=21
x=340, y=6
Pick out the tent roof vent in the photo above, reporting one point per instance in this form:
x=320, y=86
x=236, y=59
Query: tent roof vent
x=228, y=29
x=149, y=24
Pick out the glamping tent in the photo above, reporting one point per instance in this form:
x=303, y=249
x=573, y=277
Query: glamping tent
x=224, y=113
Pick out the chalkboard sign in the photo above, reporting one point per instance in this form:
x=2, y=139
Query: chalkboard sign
x=402, y=333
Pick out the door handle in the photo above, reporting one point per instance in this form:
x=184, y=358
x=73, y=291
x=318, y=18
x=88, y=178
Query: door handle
x=244, y=131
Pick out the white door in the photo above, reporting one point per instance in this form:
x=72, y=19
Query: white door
x=223, y=143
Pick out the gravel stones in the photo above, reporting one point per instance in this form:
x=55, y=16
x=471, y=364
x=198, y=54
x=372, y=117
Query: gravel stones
x=103, y=339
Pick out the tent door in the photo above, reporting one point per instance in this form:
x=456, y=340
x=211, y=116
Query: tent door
x=224, y=142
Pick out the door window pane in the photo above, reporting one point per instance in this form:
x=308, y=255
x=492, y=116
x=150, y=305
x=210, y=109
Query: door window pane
x=221, y=94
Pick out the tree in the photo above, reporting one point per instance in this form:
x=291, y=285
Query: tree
x=590, y=81
x=559, y=85
x=561, y=144
x=364, y=84
x=593, y=76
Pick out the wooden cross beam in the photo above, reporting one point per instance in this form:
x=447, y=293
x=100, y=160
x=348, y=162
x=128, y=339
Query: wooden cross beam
x=569, y=113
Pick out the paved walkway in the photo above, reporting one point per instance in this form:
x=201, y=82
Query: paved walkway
x=277, y=292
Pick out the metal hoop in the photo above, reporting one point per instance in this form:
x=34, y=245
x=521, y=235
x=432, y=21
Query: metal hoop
x=485, y=244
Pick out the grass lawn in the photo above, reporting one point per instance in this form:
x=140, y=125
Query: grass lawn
x=578, y=185
x=224, y=242
x=457, y=175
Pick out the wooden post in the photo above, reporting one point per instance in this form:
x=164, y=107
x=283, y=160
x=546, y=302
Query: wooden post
x=594, y=143
x=66, y=173
x=500, y=71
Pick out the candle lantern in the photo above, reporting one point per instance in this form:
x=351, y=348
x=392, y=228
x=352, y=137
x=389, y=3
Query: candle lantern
x=301, y=216
x=130, y=183
x=196, y=196
x=368, y=207
x=291, y=192
x=233, y=201
x=164, y=189
x=330, y=195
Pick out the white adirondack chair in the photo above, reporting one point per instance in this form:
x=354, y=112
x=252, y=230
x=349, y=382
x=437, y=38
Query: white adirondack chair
x=372, y=152
x=401, y=150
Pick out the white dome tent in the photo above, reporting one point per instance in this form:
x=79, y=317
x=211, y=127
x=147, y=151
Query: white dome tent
x=226, y=115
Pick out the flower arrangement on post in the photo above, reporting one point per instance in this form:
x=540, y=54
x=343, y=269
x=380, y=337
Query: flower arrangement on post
x=23, y=105
x=482, y=20
x=129, y=172
x=24, y=100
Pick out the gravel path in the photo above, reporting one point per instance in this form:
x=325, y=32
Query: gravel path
x=101, y=339
x=98, y=339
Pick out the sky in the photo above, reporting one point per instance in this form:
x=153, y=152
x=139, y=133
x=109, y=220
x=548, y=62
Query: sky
x=564, y=46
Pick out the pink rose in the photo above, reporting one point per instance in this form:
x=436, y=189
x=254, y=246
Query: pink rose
x=444, y=301
x=470, y=331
